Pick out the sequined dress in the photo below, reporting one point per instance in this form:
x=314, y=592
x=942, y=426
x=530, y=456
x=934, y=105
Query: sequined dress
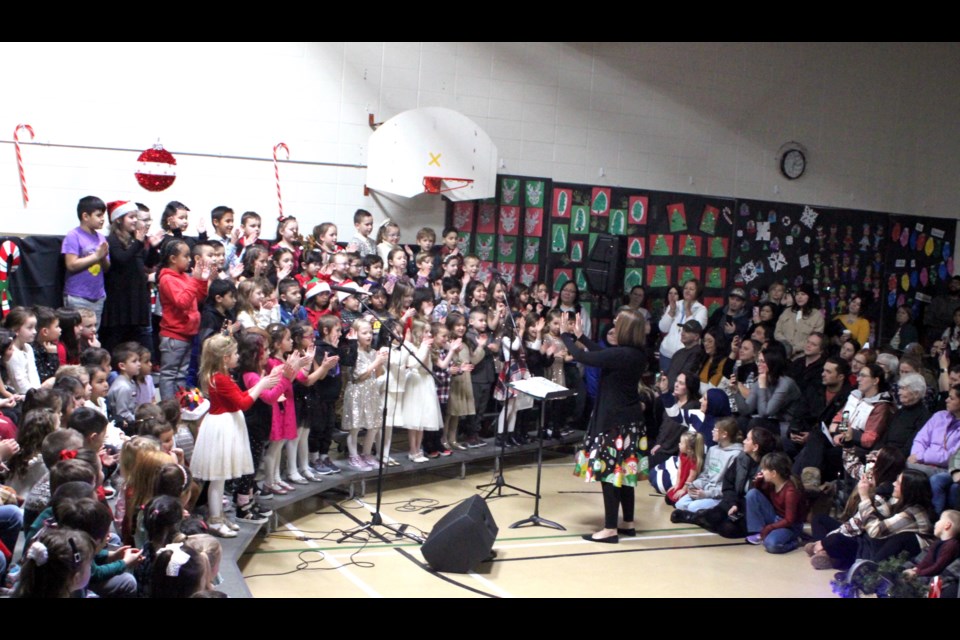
x=363, y=400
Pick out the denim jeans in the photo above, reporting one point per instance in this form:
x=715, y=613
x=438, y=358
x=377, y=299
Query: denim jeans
x=174, y=363
x=946, y=492
x=760, y=513
x=11, y=522
x=686, y=503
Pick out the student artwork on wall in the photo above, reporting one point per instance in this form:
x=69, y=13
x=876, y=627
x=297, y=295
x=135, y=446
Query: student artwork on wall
x=463, y=215
x=918, y=262
x=536, y=230
x=562, y=202
x=506, y=232
x=534, y=194
x=486, y=218
x=509, y=221
x=533, y=222
x=840, y=252
x=600, y=202
x=688, y=238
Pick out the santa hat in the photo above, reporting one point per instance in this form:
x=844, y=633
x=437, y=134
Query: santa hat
x=317, y=288
x=119, y=208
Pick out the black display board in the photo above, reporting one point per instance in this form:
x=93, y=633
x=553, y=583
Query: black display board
x=918, y=262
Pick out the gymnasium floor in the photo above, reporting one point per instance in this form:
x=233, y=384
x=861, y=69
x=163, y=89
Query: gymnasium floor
x=664, y=560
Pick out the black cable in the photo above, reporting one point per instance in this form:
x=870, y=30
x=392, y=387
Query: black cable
x=304, y=565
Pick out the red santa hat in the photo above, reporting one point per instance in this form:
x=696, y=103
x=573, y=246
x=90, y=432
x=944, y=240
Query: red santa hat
x=119, y=208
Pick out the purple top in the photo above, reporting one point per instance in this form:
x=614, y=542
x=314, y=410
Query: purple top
x=89, y=282
x=937, y=440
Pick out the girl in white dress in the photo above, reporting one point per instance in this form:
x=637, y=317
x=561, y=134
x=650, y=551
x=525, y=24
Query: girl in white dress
x=421, y=408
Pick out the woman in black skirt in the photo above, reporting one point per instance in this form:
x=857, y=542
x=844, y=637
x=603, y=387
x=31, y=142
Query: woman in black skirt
x=610, y=453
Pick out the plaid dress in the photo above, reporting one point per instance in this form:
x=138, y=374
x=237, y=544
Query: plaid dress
x=442, y=380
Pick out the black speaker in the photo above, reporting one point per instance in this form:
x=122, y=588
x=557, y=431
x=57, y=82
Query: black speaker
x=604, y=269
x=462, y=539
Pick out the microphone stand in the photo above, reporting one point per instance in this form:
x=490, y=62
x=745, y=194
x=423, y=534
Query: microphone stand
x=498, y=484
x=376, y=519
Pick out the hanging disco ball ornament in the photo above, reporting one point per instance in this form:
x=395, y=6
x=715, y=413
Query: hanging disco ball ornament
x=156, y=168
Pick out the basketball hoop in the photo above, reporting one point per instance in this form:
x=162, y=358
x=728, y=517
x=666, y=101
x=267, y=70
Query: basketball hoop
x=435, y=185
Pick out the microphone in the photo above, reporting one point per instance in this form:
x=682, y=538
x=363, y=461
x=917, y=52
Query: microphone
x=354, y=292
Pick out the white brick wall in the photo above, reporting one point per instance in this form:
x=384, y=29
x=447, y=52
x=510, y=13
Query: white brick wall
x=878, y=120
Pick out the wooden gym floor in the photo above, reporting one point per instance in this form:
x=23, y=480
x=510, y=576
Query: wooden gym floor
x=664, y=560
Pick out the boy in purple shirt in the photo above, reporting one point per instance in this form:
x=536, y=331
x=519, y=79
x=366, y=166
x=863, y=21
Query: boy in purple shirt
x=86, y=254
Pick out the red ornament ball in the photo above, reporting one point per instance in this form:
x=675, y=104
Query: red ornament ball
x=156, y=169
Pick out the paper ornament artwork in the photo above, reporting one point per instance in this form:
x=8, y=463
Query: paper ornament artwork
x=717, y=247
x=809, y=217
x=662, y=245
x=638, y=210
x=708, y=223
x=716, y=278
x=618, y=222
x=658, y=276
x=580, y=221
x=635, y=249
x=463, y=213
x=632, y=278
x=510, y=191
x=534, y=194
x=559, y=240
x=485, y=246
x=690, y=245
x=507, y=249
x=509, y=220
x=560, y=278
x=486, y=216
x=533, y=222
x=576, y=251
x=677, y=215
x=562, y=203
x=531, y=250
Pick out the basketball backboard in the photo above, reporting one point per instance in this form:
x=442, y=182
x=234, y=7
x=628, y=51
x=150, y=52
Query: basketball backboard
x=411, y=150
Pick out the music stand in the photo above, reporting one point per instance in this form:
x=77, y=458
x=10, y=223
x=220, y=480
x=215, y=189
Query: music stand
x=545, y=391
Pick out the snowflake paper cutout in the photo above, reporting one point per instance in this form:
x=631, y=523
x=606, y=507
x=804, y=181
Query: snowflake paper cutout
x=777, y=261
x=748, y=272
x=809, y=217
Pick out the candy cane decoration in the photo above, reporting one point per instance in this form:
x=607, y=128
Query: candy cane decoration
x=9, y=262
x=276, y=172
x=16, y=146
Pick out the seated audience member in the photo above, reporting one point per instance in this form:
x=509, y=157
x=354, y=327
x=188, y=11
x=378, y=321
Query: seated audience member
x=938, y=439
x=705, y=491
x=819, y=404
x=910, y=417
x=772, y=401
x=806, y=371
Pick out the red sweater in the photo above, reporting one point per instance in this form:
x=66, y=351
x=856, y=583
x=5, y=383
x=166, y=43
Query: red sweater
x=226, y=396
x=788, y=503
x=687, y=464
x=181, y=296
